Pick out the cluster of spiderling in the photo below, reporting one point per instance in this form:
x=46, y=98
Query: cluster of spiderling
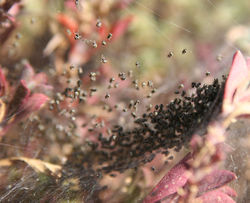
x=167, y=127
x=159, y=130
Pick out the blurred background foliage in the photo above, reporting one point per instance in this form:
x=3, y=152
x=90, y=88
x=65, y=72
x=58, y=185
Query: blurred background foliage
x=207, y=29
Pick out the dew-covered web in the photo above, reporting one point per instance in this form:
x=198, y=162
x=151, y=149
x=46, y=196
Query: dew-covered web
x=170, y=67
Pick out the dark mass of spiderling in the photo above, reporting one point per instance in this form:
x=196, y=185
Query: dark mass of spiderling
x=167, y=127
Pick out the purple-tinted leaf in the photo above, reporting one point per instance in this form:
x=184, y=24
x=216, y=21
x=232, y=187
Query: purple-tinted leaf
x=214, y=180
x=33, y=80
x=171, y=198
x=22, y=93
x=215, y=196
x=28, y=71
x=6, y=5
x=228, y=190
x=33, y=103
x=7, y=20
x=28, y=103
x=169, y=184
x=3, y=83
x=21, y=105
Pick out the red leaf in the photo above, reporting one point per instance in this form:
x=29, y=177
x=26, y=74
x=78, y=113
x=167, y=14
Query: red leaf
x=70, y=24
x=228, y=190
x=30, y=103
x=237, y=74
x=248, y=63
x=169, y=184
x=28, y=71
x=245, y=97
x=33, y=103
x=3, y=83
x=103, y=31
x=70, y=4
x=120, y=27
x=33, y=80
x=21, y=105
x=124, y=3
x=214, y=180
x=215, y=196
x=6, y=5
x=22, y=93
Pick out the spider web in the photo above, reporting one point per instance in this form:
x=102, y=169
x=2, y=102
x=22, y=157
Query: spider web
x=225, y=48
